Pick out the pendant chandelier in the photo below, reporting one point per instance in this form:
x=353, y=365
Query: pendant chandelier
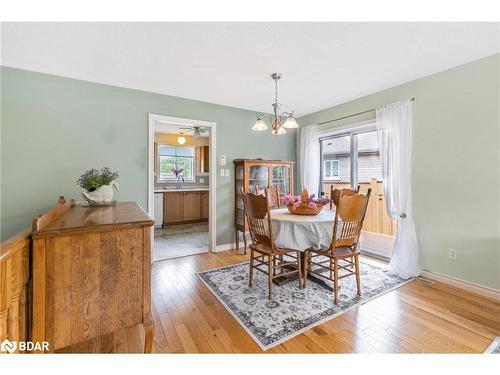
x=277, y=127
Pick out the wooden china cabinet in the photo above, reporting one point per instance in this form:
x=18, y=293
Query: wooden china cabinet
x=254, y=174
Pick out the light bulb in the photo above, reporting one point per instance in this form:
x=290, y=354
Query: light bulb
x=181, y=140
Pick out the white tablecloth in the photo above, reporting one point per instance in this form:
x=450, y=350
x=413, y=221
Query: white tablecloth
x=301, y=232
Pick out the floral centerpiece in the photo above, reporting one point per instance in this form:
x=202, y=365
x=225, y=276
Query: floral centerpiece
x=98, y=185
x=304, y=204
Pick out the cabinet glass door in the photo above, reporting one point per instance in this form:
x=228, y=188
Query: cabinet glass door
x=258, y=178
x=240, y=216
x=281, y=178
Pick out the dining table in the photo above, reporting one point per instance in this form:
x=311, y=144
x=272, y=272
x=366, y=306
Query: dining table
x=302, y=232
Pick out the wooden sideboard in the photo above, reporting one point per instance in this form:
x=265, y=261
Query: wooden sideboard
x=14, y=289
x=91, y=272
x=253, y=175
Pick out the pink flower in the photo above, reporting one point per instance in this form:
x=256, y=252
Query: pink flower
x=312, y=205
x=295, y=205
x=322, y=201
x=288, y=199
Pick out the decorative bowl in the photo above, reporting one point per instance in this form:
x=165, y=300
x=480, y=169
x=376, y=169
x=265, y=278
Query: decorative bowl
x=304, y=210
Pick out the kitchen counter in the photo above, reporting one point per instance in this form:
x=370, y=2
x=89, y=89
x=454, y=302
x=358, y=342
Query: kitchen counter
x=169, y=190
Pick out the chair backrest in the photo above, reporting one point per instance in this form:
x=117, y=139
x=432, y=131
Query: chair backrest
x=335, y=194
x=274, y=196
x=257, y=212
x=350, y=214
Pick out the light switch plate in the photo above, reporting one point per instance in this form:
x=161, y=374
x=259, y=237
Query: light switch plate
x=222, y=172
x=227, y=172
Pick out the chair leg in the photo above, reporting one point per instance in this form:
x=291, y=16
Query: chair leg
x=274, y=265
x=336, y=281
x=281, y=261
x=251, y=269
x=358, y=279
x=270, y=260
x=299, y=265
x=245, y=243
x=306, y=258
x=331, y=268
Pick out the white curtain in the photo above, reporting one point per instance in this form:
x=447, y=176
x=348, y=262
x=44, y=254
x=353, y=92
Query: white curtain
x=394, y=125
x=309, y=159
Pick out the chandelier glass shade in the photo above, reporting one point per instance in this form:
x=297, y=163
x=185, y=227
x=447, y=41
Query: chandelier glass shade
x=291, y=123
x=277, y=127
x=259, y=125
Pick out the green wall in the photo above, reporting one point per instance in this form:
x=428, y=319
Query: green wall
x=456, y=165
x=55, y=128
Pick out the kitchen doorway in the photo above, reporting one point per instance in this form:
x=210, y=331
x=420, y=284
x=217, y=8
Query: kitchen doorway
x=181, y=186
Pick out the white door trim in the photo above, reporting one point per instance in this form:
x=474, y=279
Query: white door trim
x=212, y=174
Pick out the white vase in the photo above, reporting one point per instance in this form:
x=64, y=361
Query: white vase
x=102, y=195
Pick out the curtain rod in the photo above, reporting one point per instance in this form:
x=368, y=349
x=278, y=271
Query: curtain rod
x=355, y=114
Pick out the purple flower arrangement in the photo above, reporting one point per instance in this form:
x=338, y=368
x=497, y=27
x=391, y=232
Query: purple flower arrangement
x=304, y=200
x=177, y=170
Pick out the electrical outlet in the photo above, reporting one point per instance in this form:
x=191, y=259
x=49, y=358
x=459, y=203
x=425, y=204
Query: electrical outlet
x=453, y=253
x=202, y=180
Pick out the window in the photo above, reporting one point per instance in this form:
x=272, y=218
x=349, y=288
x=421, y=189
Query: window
x=331, y=170
x=171, y=156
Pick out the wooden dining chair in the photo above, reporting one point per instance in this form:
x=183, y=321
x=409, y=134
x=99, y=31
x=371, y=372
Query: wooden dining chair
x=335, y=194
x=258, y=214
x=343, y=253
x=274, y=196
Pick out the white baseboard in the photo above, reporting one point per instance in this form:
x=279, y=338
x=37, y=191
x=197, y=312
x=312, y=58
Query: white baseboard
x=466, y=285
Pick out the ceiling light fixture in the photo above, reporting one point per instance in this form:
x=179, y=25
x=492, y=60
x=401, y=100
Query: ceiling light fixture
x=180, y=139
x=277, y=127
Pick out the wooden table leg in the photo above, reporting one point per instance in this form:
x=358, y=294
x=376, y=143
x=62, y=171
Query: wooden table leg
x=281, y=280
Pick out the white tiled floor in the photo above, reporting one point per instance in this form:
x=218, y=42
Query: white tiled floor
x=180, y=240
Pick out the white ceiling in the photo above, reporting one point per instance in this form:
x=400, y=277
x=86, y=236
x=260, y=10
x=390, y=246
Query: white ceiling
x=323, y=64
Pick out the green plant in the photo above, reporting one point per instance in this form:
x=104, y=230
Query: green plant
x=93, y=179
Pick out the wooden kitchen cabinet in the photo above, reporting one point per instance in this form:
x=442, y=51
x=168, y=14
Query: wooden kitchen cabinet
x=173, y=207
x=185, y=207
x=192, y=207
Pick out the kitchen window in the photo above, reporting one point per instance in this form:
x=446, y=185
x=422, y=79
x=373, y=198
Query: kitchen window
x=175, y=156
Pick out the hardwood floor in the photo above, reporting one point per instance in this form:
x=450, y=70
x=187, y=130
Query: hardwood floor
x=416, y=318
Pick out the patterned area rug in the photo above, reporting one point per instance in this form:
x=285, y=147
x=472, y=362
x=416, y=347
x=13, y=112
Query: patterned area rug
x=494, y=347
x=292, y=310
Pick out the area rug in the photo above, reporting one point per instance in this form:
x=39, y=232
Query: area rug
x=292, y=310
x=494, y=347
